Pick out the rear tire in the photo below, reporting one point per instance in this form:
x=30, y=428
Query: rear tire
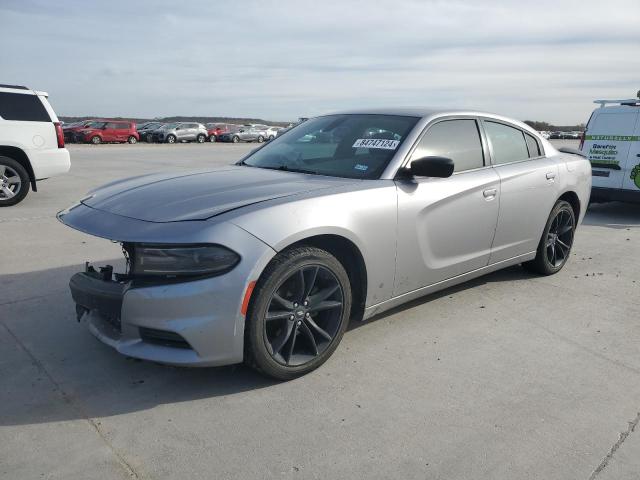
x=14, y=182
x=315, y=287
x=555, y=244
x=96, y=140
x=235, y=139
x=212, y=138
x=171, y=139
x=260, y=139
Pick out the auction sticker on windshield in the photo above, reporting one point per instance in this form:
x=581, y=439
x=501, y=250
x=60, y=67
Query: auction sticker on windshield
x=376, y=143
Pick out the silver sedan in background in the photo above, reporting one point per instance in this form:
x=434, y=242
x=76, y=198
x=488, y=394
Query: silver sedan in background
x=343, y=217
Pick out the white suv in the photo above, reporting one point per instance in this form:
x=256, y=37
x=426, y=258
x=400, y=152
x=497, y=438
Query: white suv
x=31, y=142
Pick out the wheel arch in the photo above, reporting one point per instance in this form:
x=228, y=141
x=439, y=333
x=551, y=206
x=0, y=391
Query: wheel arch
x=350, y=256
x=573, y=199
x=21, y=157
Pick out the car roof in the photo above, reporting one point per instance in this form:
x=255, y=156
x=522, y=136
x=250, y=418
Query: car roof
x=421, y=112
x=429, y=112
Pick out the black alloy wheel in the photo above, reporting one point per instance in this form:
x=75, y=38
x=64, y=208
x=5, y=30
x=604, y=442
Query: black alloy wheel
x=298, y=314
x=556, y=242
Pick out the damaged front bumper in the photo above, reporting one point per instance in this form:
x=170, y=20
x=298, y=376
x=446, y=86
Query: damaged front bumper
x=186, y=322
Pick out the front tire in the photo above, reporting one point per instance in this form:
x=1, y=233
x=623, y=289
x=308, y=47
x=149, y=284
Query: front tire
x=298, y=313
x=235, y=139
x=96, y=140
x=171, y=139
x=212, y=138
x=260, y=139
x=201, y=138
x=132, y=140
x=14, y=182
x=556, y=242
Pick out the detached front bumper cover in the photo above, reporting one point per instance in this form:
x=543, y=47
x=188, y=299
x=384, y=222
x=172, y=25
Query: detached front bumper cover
x=93, y=290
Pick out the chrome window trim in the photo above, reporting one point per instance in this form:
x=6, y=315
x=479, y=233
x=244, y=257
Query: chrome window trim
x=483, y=119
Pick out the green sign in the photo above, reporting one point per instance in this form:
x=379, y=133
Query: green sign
x=616, y=138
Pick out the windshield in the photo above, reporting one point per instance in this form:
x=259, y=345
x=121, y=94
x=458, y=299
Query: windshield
x=350, y=146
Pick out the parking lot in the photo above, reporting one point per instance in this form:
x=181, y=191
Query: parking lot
x=511, y=376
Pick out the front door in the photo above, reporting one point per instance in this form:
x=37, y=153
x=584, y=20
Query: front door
x=446, y=225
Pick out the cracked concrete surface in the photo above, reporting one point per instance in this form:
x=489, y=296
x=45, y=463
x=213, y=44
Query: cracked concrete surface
x=509, y=376
x=621, y=439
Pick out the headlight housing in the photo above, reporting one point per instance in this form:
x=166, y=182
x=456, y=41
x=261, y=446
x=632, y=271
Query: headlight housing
x=172, y=261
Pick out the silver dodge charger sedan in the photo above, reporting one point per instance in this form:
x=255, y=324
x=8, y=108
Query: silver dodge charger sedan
x=342, y=217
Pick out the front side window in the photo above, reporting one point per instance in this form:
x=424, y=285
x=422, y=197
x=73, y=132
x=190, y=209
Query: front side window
x=458, y=140
x=507, y=143
x=337, y=145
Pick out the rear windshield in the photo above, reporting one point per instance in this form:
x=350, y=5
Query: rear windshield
x=22, y=107
x=349, y=146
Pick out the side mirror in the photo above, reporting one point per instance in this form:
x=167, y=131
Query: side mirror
x=440, y=167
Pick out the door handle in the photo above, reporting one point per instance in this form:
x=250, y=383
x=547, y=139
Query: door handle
x=551, y=175
x=490, y=193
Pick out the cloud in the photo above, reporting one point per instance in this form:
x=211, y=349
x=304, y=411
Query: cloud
x=284, y=59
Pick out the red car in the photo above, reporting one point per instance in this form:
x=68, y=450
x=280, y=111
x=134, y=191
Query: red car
x=71, y=129
x=112, y=131
x=214, y=130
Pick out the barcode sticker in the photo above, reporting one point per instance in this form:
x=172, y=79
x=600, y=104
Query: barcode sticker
x=376, y=143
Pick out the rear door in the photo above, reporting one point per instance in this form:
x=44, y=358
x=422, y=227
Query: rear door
x=192, y=131
x=110, y=132
x=446, y=225
x=527, y=188
x=610, y=136
x=122, y=132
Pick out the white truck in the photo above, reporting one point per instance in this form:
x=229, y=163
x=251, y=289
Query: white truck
x=31, y=142
x=612, y=144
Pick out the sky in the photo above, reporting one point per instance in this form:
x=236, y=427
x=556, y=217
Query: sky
x=279, y=60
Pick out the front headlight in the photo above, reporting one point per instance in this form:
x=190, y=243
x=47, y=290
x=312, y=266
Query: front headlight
x=182, y=260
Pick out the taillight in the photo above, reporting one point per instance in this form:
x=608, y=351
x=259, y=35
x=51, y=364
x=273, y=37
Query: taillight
x=582, y=140
x=59, y=134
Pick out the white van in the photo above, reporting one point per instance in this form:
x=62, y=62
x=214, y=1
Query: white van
x=31, y=142
x=612, y=144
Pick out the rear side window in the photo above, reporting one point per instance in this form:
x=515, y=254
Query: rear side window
x=533, y=146
x=458, y=140
x=22, y=107
x=507, y=143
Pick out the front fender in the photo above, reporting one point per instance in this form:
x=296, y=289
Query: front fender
x=366, y=216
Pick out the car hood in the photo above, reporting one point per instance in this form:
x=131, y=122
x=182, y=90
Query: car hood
x=201, y=195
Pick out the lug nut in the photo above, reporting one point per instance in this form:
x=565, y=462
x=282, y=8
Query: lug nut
x=308, y=315
x=305, y=303
x=291, y=317
x=295, y=305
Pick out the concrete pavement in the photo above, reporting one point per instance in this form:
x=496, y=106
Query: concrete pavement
x=511, y=376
